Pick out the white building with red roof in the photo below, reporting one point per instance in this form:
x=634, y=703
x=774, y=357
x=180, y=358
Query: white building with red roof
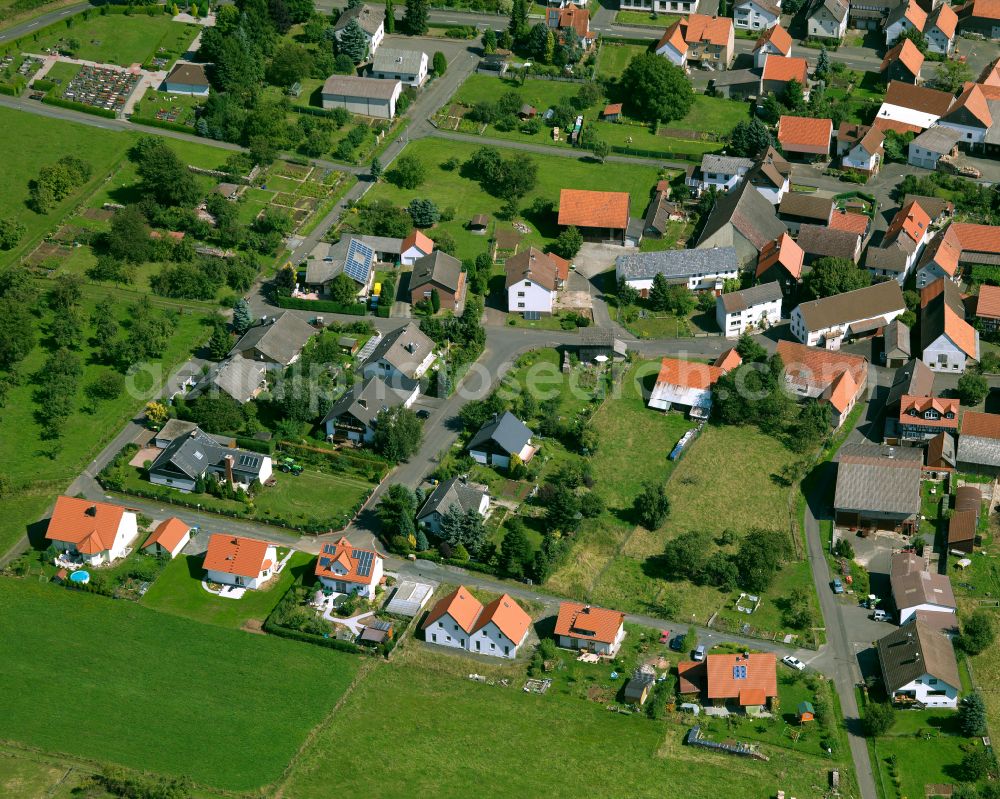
x=590, y=628
x=756, y=15
x=461, y=621
x=95, y=532
x=698, y=38
x=774, y=41
x=239, y=561
x=169, y=538
x=688, y=384
x=832, y=377
x=414, y=247
x=348, y=569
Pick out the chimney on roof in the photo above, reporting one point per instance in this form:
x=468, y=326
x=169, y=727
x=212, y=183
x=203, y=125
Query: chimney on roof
x=193, y=433
x=586, y=609
x=91, y=511
x=229, y=469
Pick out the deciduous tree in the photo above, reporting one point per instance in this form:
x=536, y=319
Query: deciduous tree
x=654, y=89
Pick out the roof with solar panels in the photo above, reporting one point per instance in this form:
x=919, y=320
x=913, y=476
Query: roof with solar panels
x=347, y=563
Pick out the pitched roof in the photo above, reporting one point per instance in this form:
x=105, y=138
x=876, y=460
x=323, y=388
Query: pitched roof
x=913, y=650
x=404, y=62
x=918, y=98
x=688, y=374
x=838, y=8
x=535, y=265
x=826, y=241
x=841, y=391
x=863, y=303
x=971, y=108
x=974, y=238
x=776, y=36
x=747, y=298
x=851, y=222
x=91, y=526
x=588, y=622
x=188, y=74
x=244, y=557
x=920, y=405
x=462, y=606
x=281, y=341
x=979, y=441
x=356, y=565
x=907, y=54
x=727, y=164
x=730, y=676
x=370, y=18
x=914, y=378
x=507, y=431
x=611, y=108
x=419, y=240
x=962, y=526
x=804, y=132
x=455, y=492
x=195, y=453
x=507, y=615
x=676, y=265
x=353, y=86
x=981, y=425
x=728, y=360
x=711, y=30
x=912, y=584
x=944, y=314
x=897, y=337
x=941, y=448
x=784, y=252
x=988, y=302
x=570, y=16
x=674, y=36
x=806, y=205
x=981, y=9
x=437, y=267
x=911, y=220
x=939, y=139
x=935, y=206
x=364, y=401
x=749, y=212
x=770, y=170
x=239, y=377
x=168, y=534
x=606, y=209
x=820, y=370
x=944, y=252
x=945, y=20
x=873, y=142
x=405, y=348
x=785, y=69
x=968, y=497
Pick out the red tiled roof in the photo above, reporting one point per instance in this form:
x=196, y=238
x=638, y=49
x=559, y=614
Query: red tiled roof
x=603, y=209
x=611, y=109
x=729, y=360
x=784, y=251
x=981, y=425
x=960, y=332
x=232, y=554
x=891, y=124
x=822, y=370
x=946, y=21
x=918, y=98
x=571, y=16
x=974, y=101
x=343, y=555
x=912, y=220
x=785, y=69
x=923, y=404
x=777, y=36
x=916, y=15
x=906, y=52
x=507, y=615
x=90, y=526
x=588, y=622
x=703, y=28
x=168, y=534
x=690, y=676
x=975, y=238
x=422, y=242
x=462, y=606
x=689, y=374
x=945, y=252
x=841, y=392
x=760, y=680
x=799, y=132
x=988, y=303
x=674, y=36
x=983, y=9
x=849, y=221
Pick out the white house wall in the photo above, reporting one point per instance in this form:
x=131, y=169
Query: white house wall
x=535, y=298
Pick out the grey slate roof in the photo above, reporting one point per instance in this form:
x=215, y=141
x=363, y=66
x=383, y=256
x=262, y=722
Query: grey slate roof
x=281, y=341
x=174, y=428
x=736, y=77
x=196, y=452
x=365, y=401
x=748, y=298
x=727, y=165
x=382, y=243
x=897, y=338
x=978, y=450
x=890, y=258
x=823, y=241
x=404, y=348
x=938, y=139
x=912, y=584
x=677, y=264
x=438, y=267
x=799, y=204
x=914, y=378
x=464, y=495
x=239, y=377
x=326, y=261
x=368, y=17
x=838, y=8
x=508, y=432
x=866, y=303
x=353, y=86
x=402, y=62
x=748, y=212
x=876, y=478
x=913, y=650
x=601, y=337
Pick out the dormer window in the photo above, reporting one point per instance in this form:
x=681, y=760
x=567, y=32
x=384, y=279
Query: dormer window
x=949, y=415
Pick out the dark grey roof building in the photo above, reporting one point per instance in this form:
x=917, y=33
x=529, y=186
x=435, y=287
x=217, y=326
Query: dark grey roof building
x=915, y=587
x=458, y=493
x=370, y=18
x=743, y=219
x=505, y=436
x=678, y=266
x=439, y=269
x=357, y=409
x=750, y=297
x=196, y=455
x=279, y=342
x=914, y=651
x=877, y=486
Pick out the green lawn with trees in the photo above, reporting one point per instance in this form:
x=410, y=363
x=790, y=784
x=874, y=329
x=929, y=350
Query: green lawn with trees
x=155, y=692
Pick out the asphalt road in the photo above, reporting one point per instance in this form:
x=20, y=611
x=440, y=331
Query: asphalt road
x=24, y=28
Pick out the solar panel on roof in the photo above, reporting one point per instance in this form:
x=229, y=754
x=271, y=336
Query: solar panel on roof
x=329, y=549
x=739, y=672
x=359, y=260
x=364, y=559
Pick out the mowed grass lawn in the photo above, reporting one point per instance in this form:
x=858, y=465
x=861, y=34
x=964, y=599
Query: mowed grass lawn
x=452, y=189
x=33, y=142
x=24, y=776
x=178, y=590
x=460, y=732
x=122, y=40
x=614, y=58
x=119, y=683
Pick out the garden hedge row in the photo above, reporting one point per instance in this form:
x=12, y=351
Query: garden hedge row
x=297, y=304
x=318, y=640
x=86, y=109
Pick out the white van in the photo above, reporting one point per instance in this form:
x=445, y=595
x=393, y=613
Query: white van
x=880, y=615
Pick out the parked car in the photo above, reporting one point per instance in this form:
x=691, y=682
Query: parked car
x=699, y=653
x=880, y=615
x=677, y=643
x=793, y=662
x=423, y=413
x=664, y=636
x=838, y=587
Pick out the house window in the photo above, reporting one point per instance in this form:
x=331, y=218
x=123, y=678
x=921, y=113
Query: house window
x=527, y=282
x=492, y=645
x=434, y=637
x=520, y=305
x=520, y=294
x=932, y=681
x=506, y=650
x=477, y=646
x=440, y=624
x=456, y=627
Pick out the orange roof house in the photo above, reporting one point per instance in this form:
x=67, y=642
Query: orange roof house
x=169, y=537
x=347, y=568
x=699, y=37
x=988, y=304
x=750, y=680
x=833, y=377
x=912, y=221
x=784, y=254
x=971, y=110
x=947, y=340
x=461, y=621
x=589, y=627
x=415, y=246
x=688, y=384
x=782, y=70
x=599, y=214
x=728, y=360
x=903, y=62
x=932, y=413
x=849, y=221
x=239, y=560
x=98, y=531
x=775, y=39
x=571, y=16
x=804, y=135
